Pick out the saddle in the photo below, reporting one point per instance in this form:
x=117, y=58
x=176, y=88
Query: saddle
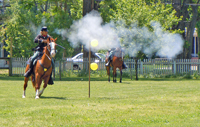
x=35, y=61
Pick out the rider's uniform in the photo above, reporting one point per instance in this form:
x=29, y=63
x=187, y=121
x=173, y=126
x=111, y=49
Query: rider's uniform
x=38, y=49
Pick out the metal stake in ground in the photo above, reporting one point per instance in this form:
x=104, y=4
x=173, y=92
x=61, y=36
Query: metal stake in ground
x=93, y=66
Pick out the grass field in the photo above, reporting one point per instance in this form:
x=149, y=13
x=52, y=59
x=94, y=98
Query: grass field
x=174, y=103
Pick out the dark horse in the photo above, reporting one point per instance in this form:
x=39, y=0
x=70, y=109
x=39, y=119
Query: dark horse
x=116, y=62
x=42, y=69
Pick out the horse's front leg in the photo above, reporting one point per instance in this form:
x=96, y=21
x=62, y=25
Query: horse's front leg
x=46, y=79
x=25, y=86
x=108, y=73
x=37, y=88
x=41, y=91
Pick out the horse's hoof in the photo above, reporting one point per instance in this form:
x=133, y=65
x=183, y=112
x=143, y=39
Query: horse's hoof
x=23, y=96
x=37, y=97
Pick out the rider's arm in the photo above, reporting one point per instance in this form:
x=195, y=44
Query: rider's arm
x=38, y=40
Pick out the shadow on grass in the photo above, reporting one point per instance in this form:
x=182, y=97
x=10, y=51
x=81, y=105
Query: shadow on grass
x=60, y=98
x=108, y=98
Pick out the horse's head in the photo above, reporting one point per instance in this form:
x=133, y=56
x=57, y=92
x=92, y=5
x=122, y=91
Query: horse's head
x=52, y=44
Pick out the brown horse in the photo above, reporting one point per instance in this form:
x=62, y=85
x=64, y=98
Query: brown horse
x=116, y=62
x=42, y=69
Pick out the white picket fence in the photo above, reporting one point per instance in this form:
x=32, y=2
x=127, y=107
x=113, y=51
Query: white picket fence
x=156, y=66
x=165, y=66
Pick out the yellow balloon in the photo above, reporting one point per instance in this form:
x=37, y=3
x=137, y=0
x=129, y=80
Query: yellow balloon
x=94, y=66
x=94, y=43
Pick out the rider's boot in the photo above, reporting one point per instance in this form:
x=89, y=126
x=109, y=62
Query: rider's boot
x=29, y=72
x=108, y=63
x=50, y=80
x=109, y=60
x=124, y=66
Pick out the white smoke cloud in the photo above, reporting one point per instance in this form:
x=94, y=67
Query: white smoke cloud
x=88, y=28
x=137, y=39
x=133, y=38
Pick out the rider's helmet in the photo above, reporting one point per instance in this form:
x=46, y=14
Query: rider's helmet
x=44, y=28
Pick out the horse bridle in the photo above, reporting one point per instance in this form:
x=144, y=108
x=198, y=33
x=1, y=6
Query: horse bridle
x=49, y=50
x=45, y=69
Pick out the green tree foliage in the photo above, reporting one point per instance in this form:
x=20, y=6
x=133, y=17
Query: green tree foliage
x=25, y=18
x=139, y=11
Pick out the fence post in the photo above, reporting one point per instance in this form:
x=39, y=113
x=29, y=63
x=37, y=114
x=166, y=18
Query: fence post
x=10, y=67
x=130, y=66
x=54, y=69
x=141, y=67
x=60, y=69
x=174, y=66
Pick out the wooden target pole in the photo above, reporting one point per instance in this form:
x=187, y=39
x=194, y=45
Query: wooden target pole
x=89, y=67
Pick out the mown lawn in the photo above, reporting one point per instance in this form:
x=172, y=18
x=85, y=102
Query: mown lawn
x=131, y=103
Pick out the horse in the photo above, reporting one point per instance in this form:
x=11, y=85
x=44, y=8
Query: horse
x=42, y=69
x=116, y=62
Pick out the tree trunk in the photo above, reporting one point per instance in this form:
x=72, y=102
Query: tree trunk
x=190, y=28
x=46, y=6
x=35, y=9
x=181, y=10
x=87, y=7
x=136, y=68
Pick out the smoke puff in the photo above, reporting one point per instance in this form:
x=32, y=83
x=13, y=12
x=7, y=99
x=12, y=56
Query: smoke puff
x=132, y=38
x=136, y=39
x=91, y=27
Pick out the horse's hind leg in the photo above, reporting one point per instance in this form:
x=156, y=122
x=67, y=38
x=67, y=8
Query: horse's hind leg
x=114, y=74
x=33, y=81
x=25, y=86
x=108, y=73
x=120, y=75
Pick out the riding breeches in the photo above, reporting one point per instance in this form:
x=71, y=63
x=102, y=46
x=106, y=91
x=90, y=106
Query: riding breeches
x=36, y=54
x=110, y=55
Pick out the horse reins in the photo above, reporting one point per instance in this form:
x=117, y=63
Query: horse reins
x=45, y=69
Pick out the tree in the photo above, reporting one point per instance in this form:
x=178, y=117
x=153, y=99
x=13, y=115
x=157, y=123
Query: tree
x=88, y=6
x=188, y=9
x=26, y=17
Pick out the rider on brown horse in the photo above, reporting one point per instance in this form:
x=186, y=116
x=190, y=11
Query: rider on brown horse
x=41, y=39
x=111, y=53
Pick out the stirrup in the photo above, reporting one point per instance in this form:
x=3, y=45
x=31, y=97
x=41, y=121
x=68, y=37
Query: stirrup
x=28, y=73
x=107, y=64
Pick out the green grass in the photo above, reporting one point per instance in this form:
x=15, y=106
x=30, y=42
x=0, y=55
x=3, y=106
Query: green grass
x=174, y=103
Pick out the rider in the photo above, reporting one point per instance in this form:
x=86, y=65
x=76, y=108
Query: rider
x=110, y=56
x=41, y=39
